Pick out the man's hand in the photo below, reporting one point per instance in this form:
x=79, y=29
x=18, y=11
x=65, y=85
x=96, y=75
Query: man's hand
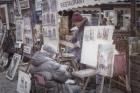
x=77, y=44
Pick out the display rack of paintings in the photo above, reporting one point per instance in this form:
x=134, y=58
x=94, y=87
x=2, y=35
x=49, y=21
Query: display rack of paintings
x=3, y=59
x=50, y=23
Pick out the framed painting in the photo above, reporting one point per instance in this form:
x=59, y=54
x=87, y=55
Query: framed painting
x=13, y=66
x=4, y=15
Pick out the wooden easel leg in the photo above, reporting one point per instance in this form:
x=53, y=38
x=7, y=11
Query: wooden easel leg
x=110, y=81
x=102, y=85
x=128, y=88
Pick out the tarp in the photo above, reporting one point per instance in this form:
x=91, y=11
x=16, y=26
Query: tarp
x=69, y=4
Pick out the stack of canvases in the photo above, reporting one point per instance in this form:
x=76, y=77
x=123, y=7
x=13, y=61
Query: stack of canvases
x=45, y=69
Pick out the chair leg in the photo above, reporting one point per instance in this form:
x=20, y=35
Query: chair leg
x=110, y=81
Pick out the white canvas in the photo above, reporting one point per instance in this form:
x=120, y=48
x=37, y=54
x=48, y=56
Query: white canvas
x=91, y=40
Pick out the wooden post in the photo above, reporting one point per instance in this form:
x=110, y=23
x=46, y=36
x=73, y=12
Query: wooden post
x=133, y=17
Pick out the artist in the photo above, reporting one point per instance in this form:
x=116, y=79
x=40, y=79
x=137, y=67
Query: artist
x=78, y=23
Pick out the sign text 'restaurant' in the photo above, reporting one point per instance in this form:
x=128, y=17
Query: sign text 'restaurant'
x=71, y=3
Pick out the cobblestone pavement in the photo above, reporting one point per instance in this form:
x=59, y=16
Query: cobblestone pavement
x=7, y=86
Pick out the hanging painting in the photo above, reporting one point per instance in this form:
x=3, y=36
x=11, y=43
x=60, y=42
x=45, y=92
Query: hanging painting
x=19, y=31
x=28, y=35
x=17, y=9
x=24, y=4
x=4, y=15
x=13, y=66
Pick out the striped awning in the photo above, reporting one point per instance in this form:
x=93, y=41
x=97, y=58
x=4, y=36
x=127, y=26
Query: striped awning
x=69, y=4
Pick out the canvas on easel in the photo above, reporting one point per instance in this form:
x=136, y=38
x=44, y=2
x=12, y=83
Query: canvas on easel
x=105, y=59
x=93, y=36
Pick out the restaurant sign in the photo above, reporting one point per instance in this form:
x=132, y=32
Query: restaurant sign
x=69, y=4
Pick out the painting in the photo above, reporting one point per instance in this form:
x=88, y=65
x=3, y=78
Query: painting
x=104, y=33
x=24, y=82
x=13, y=66
x=45, y=6
x=53, y=19
x=134, y=45
x=18, y=45
x=19, y=31
x=27, y=49
x=38, y=5
x=3, y=60
x=105, y=59
x=17, y=9
x=28, y=36
x=4, y=15
x=24, y=4
x=49, y=5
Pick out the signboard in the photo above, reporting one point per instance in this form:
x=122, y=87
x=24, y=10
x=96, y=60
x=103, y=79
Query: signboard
x=69, y=4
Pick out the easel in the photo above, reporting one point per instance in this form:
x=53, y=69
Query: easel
x=124, y=79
